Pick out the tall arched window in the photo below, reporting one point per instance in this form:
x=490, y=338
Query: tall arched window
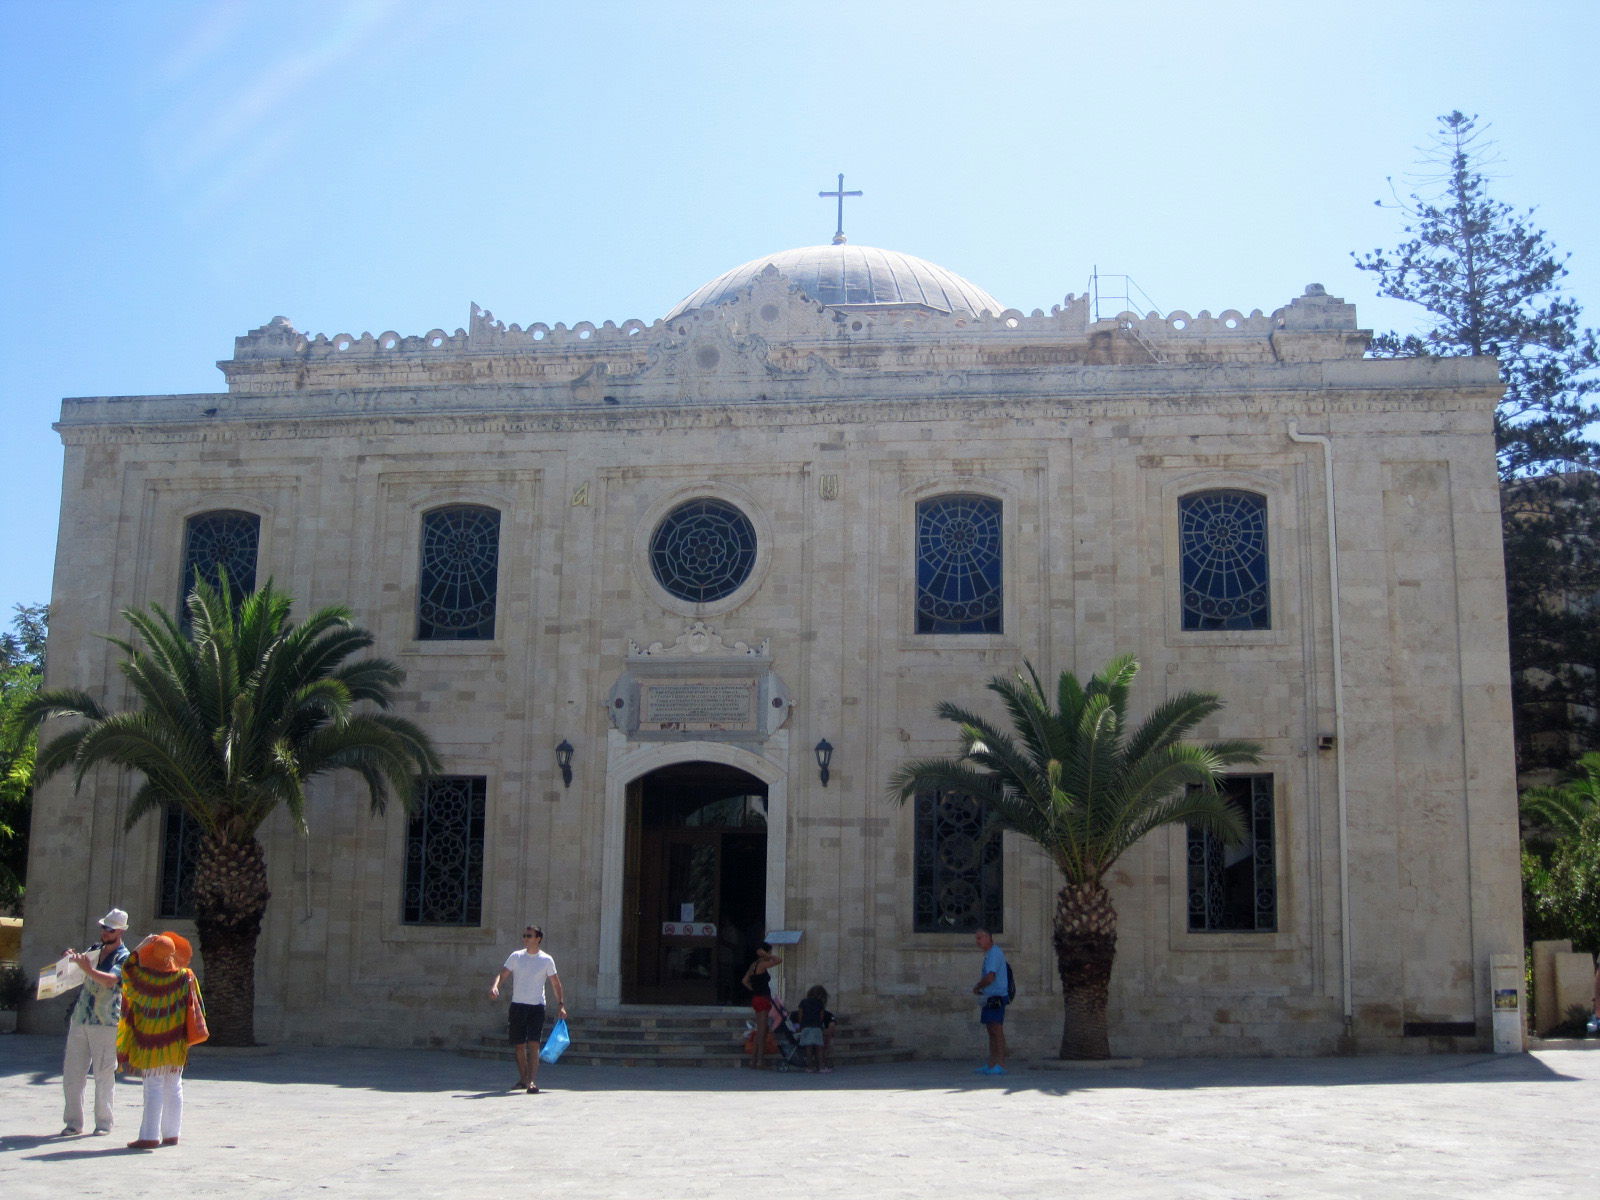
x=223, y=539
x=459, y=574
x=1222, y=538
x=959, y=558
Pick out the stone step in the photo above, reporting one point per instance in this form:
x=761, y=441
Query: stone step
x=683, y=1038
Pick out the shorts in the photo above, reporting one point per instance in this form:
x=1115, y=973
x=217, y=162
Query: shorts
x=993, y=1011
x=810, y=1036
x=761, y=1003
x=527, y=1022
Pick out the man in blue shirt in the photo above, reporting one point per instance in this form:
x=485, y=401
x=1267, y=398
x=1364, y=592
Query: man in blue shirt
x=993, y=990
x=92, y=1029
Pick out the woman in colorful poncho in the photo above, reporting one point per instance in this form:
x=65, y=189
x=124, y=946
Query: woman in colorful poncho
x=155, y=1033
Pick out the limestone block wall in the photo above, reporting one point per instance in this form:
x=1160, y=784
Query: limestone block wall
x=1395, y=847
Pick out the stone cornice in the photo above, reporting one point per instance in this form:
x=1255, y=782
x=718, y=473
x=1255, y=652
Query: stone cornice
x=1473, y=387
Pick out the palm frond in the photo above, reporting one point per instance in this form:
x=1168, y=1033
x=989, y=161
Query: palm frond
x=1079, y=778
x=238, y=709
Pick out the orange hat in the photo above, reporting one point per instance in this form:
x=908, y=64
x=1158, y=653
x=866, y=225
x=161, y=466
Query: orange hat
x=158, y=953
x=182, y=952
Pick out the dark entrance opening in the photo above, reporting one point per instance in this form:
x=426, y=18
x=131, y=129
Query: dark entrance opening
x=695, y=888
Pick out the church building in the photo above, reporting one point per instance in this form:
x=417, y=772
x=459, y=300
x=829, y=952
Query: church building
x=674, y=598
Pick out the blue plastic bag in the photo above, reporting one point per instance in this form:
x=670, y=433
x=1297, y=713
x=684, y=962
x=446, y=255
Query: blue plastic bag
x=556, y=1043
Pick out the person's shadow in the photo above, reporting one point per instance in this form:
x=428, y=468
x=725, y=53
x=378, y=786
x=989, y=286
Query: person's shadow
x=73, y=1146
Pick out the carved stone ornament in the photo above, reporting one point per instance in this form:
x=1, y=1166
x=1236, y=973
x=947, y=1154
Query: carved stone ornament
x=697, y=639
x=699, y=687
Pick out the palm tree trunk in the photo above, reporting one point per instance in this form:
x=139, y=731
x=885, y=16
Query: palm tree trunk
x=1086, y=945
x=230, y=896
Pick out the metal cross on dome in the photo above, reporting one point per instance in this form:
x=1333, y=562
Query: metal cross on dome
x=840, y=193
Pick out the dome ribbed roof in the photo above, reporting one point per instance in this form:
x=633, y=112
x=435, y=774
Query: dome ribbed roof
x=853, y=276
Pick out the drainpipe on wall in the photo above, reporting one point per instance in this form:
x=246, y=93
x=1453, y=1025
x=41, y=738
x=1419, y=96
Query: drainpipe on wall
x=1338, y=720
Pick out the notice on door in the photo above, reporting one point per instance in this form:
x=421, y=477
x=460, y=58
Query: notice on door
x=698, y=706
x=688, y=929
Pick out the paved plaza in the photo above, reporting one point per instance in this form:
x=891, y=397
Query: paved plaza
x=289, y=1122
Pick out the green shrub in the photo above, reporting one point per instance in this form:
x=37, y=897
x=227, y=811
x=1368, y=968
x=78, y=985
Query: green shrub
x=14, y=987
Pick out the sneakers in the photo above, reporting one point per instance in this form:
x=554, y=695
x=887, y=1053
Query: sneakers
x=70, y=1131
x=989, y=1071
x=101, y=1130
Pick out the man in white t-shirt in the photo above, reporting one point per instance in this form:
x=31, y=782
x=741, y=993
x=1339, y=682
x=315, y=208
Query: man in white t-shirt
x=528, y=969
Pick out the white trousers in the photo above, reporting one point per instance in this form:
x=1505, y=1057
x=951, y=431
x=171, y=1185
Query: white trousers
x=163, y=1106
x=89, y=1047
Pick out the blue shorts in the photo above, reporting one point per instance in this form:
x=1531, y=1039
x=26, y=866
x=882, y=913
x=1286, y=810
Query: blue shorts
x=993, y=1011
x=527, y=1022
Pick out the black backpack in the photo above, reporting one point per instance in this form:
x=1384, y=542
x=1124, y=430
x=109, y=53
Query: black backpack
x=1011, y=983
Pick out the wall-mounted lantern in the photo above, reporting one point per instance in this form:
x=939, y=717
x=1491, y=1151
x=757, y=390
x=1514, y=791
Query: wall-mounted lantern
x=564, y=761
x=824, y=754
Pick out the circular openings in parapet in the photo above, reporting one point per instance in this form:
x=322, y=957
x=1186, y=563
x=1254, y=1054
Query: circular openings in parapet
x=389, y=343
x=436, y=342
x=342, y=343
x=703, y=550
x=1179, y=323
x=769, y=312
x=1231, y=323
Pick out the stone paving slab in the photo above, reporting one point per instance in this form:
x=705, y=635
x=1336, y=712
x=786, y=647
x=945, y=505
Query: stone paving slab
x=368, y=1123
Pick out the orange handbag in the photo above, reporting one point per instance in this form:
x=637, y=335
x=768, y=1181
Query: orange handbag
x=197, y=1031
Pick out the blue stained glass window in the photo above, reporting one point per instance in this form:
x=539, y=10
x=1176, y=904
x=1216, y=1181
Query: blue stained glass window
x=444, y=853
x=958, y=885
x=459, y=576
x=1223, y=542
x=1235, y=888
x=703, y=551
x=224, y=539
x=958, y=565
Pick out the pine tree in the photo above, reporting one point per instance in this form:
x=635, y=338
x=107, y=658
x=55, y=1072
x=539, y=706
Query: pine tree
x=1491, y=283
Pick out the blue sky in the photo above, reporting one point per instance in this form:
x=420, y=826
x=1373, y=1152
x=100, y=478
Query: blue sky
x=175, y=173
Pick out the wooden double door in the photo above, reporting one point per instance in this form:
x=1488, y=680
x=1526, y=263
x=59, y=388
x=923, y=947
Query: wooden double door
x=696, y=884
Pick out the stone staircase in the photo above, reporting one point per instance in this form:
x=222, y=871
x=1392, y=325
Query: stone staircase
x=682, y=1037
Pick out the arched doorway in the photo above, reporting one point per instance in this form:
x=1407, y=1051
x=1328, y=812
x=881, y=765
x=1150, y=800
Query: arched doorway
x=695, y=883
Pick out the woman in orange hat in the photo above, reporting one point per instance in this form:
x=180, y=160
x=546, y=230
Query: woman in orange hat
x=162, y=1016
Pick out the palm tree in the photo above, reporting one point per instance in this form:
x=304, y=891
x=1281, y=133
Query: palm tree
x=1555, y=813
x=236, y=713
x=1086, y=787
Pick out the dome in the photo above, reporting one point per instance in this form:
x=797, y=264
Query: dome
x=854, y=277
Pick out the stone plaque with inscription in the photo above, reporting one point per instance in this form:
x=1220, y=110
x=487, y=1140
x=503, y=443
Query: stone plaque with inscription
x=699, y=686
x=698, y=705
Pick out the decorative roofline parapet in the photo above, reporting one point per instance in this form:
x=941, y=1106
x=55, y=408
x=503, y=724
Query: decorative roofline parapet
x=773, y=312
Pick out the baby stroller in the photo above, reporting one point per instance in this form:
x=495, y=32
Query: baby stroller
x=781, y=1039
x=790, y=1055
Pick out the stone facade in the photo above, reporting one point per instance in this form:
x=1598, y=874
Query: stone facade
x=1379, y=689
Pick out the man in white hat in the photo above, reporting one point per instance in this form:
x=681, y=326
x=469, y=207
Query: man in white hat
x=92, y=1031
